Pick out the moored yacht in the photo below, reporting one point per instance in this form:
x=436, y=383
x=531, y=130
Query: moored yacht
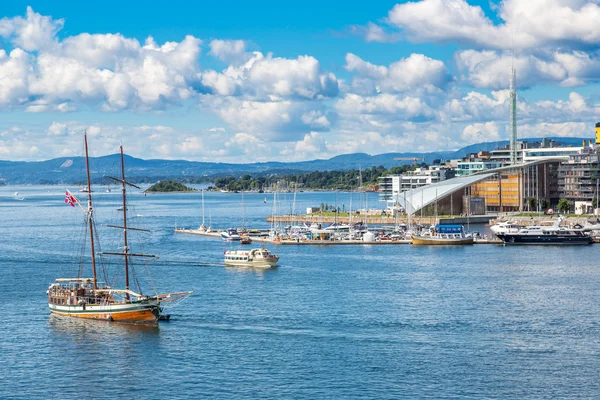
x=554, y=234
x=504, y=227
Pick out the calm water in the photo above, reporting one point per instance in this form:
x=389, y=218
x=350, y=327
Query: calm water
x=330, y=322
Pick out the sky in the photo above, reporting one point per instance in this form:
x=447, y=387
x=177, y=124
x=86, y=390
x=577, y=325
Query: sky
x=243, y=81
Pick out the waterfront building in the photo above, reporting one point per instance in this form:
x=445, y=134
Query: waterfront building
x=504, y=189
x=541, y=153
x=473, y=165
x=578, y=179
x=390, y=187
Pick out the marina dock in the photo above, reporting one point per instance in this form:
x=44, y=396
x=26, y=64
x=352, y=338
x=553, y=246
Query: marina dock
x=316, y=242
x=379, y=219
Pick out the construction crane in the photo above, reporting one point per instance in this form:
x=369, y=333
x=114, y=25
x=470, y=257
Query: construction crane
x=413, y=159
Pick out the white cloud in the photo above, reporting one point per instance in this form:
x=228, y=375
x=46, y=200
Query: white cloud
x=14, y=77
x=480, y=132
x=269, y=120
x=311, y=146
x=414, y=72
x=273, y=78
x=489, y=69
x=58, y=129
x=383, y=104
x=527, y=23
x=563, y=129
x=106, y=69
x=477, y=106
x=32, y=33
x=229, y=51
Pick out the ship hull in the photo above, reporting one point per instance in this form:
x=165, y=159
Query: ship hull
x=545, y=239
x=253, y=264
x=130, y=313
x=427, y=241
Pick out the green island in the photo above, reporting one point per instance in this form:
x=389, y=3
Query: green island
x=169, y=186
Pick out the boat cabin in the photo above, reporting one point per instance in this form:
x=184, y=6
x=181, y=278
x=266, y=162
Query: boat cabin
x=449, y=231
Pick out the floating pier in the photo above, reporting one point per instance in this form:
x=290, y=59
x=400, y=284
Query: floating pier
x=316, y=242
x=379, y=219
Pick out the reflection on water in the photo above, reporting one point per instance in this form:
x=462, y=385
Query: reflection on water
x=89, y=328
x=244, y=270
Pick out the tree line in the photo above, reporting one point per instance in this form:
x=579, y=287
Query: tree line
x=320, y=180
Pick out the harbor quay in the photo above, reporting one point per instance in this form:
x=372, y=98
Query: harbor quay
x=317, y=241
x=382, y=219
x=388, y=220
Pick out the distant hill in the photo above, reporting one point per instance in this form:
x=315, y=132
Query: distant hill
x=71, y=170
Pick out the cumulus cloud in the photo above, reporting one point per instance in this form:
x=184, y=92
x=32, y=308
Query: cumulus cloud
x=32, y=33
x=312, y=145
x=480, y=132
x=270, y=120
x=384, y=104
x=526, y=23
x=229, y=51
x=489, y=68
x=107, y=69
x=414, y=72
x=272, y=78
x=14, y=77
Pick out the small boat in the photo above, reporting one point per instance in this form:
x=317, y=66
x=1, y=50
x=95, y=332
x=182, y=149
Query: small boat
x=443, y=235
x=245, y=240
x=258, y=258
x=230, y=235
x=265, y=200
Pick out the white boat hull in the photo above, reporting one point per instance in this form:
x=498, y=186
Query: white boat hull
x=253, y=264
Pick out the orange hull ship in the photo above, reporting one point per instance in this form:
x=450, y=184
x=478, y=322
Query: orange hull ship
x=89, y=299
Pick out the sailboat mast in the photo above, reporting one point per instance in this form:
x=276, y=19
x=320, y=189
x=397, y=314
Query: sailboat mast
x=89, y=189
x=203, y=209
x=125, y=246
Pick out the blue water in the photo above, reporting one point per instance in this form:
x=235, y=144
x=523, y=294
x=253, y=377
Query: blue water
x=348, y=322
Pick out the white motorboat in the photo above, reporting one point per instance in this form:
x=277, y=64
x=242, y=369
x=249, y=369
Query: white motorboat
x=230, y=235
x=554, y=234
x=257, y=258
x=505, y=227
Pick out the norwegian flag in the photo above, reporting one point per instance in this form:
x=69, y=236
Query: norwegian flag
x=70, y=199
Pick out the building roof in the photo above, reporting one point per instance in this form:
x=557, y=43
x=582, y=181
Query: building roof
x=415, y=199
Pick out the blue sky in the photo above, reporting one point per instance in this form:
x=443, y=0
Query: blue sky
x=257, y=81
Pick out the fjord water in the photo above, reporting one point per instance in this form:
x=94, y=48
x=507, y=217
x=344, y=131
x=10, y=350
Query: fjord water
x=331, y=322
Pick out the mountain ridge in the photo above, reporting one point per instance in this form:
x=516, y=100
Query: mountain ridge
x=63, y=170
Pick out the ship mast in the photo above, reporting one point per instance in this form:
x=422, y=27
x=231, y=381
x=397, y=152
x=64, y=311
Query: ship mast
x=89, y=211
x=126, y=251
x=125, y=246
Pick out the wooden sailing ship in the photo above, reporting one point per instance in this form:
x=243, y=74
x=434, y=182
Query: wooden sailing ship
x=87, y=297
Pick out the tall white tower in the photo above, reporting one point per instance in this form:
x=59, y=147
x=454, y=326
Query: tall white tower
x=513, y=116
